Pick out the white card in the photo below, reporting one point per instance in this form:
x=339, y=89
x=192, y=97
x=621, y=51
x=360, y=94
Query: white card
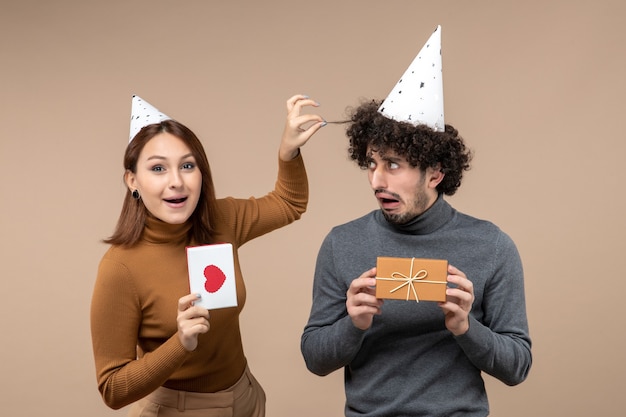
x=212, y=275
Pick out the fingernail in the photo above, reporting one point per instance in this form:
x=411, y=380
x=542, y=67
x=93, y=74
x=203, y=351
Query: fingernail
x=324, y=123
x=305, y=96
x=198, y=295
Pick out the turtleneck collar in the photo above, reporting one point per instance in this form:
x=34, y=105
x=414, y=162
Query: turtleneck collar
x=159, y=232
x=432, y=219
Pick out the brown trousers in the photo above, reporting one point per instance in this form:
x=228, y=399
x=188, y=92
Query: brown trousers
x=244, y=399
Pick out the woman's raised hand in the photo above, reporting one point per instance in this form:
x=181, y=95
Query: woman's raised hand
x=299, y=127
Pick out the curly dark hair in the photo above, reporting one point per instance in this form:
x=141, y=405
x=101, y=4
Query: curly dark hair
x=422, y=146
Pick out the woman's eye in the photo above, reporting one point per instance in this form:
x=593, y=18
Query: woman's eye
x=157, y=168
x=371, y=164
x=189, y=165
x=393, y=165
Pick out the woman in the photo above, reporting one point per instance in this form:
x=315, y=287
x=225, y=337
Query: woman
x=152, y=345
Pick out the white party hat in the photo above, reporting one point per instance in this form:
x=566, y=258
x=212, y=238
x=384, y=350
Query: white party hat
x=143, y=114
x=418, y=97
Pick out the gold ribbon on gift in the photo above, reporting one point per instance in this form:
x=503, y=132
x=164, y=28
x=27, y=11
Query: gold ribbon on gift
x=409, y=280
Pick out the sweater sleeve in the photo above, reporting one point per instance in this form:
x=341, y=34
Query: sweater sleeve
x=329, y=341
x=253, y=217
x=115, y=319
x=499, y=344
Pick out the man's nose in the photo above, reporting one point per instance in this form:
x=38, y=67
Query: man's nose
x=377, y=178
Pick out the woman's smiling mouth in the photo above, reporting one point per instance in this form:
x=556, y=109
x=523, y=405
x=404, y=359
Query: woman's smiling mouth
x=175, y=200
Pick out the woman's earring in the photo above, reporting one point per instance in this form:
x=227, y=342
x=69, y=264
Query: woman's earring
x=135, y=194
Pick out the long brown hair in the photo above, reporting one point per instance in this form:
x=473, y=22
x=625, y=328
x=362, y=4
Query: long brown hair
x=131, y=222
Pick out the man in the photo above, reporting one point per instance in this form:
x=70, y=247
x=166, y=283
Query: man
x=407, y=358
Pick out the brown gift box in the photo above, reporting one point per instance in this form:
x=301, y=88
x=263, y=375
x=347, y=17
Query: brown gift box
x=416, y=279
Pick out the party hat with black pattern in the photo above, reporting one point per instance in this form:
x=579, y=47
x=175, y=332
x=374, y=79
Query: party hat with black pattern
x=418, y=97
x=143, y=114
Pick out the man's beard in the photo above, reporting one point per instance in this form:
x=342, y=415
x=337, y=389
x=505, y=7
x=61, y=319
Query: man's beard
x=397, y=218
x=418, y=207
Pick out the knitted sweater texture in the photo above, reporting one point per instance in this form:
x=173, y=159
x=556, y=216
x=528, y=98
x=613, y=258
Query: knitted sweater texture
x=135, y=298
x=407, y=363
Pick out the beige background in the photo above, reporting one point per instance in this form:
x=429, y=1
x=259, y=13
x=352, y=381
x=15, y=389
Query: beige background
x=536, y=88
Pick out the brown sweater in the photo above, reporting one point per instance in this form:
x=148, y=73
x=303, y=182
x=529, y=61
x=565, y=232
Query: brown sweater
x=134, y=304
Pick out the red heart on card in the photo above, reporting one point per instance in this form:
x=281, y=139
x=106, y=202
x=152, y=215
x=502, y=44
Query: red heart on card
x=215, y=278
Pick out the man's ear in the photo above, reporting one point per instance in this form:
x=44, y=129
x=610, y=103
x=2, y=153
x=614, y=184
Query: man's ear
x=130, y=180
x=434, y=176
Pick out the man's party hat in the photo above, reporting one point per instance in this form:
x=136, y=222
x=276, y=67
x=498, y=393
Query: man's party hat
x=143, y=114
x=418, y=97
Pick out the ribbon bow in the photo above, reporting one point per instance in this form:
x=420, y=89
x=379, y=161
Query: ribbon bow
x=409, y=280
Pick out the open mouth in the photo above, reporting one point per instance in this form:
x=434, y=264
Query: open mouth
x=386, y=197
x=388, y=203
x=387, y=200
x=176, y=200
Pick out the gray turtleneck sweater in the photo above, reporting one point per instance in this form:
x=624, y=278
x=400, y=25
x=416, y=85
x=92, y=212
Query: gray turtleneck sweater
x=407, y=363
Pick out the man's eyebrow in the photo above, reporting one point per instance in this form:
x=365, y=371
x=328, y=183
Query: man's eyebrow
x=391, y=158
